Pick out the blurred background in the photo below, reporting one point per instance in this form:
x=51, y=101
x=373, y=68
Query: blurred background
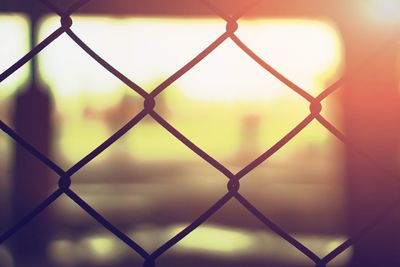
x=150, y=185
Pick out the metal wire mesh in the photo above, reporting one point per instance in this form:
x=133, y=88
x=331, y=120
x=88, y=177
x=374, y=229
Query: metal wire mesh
x=233, y=184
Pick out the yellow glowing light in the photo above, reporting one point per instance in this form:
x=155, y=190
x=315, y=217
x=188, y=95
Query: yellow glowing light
x=72, y=138
x=13, y=45
x=215, y=239
x=230, y=75
x=101, y=246
x=150, y=49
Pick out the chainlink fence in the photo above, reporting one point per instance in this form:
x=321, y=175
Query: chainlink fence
x=149, y=102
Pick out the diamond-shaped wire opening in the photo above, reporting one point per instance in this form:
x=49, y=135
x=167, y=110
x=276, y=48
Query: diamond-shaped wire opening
x=145, y=176
x=328, y=127
x=232, y=237
x=147, y=49
x=286, y=45
x=238, y=126
x=65, y=22
x=82, y=240
x=304, y=181
x=32, y=165
x=40, y=230
x=81, y=106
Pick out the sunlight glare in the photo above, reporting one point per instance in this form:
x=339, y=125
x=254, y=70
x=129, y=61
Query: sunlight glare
x=148, y=50
x=387, y=11
x=14, y=29
x=317, y=46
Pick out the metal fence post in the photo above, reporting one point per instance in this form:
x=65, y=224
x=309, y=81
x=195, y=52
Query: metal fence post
x=31, y=183
x=372, y=107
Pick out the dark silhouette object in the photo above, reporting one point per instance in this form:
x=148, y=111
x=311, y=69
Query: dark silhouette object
x=371, y=105
x=31, y=181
